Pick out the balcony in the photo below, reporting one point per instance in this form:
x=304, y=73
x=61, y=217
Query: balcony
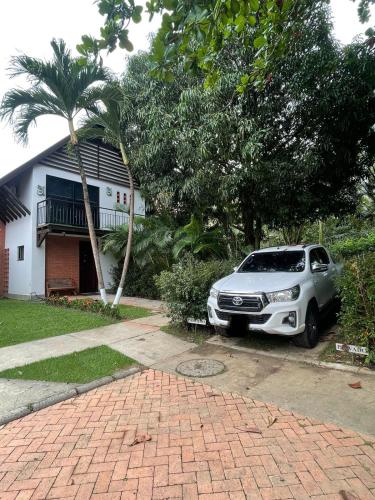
x=58, y=215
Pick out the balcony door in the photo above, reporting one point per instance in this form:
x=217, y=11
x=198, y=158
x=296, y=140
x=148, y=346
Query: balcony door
x=65, y=202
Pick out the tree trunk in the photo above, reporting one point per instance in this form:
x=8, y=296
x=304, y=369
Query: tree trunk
x=248, y=227
x=90, y=222
x=130, y=231
x=320, y=232
x=292, y=235
x=257, y=233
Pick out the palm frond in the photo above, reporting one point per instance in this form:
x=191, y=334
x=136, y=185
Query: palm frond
x=21, y=108
x=61, y=86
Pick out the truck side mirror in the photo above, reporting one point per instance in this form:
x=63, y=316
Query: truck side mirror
x=235, y=269
x=319, y=268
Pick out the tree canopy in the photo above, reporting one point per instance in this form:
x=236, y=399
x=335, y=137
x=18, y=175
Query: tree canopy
x=280, y=155
x=195, y=34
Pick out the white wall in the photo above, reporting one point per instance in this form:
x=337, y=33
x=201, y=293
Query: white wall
x=39, y=179
x=19, y=233
x=27, y=277
x=105, y=201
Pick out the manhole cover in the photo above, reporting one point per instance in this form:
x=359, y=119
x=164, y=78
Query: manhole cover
x=200, y=367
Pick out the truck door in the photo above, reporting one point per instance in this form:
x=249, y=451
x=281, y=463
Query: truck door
x=319, y=278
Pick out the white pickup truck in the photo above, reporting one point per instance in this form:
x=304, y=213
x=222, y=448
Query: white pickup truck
x=280, y=290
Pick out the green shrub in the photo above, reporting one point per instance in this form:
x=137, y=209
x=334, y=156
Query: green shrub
x=357, y=291
x=139, y=281
x=354, y=246
x=185, y=288
x=88, y=305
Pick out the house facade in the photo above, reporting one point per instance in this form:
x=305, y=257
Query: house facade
x=43, y=229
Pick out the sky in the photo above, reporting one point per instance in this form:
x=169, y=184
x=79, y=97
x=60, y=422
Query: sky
x=42, y=20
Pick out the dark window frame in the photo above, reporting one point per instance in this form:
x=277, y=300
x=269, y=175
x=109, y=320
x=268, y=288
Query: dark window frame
x=21, y=252
x=321, y=256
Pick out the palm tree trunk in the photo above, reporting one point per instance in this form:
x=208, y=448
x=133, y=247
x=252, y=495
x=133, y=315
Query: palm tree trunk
x=90, y=221
x=130, y=231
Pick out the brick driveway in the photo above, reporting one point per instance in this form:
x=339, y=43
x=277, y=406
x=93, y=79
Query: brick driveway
x=199, y=446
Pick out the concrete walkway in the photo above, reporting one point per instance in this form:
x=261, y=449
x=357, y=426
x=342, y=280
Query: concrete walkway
x=317, y=392
x=195, y=443
x=112, y=335
x=320, y=393
x=139, y=339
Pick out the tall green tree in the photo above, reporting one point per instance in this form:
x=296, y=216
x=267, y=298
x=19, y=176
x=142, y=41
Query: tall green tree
x=60, y=87
x=108, y=124
x=280, y=155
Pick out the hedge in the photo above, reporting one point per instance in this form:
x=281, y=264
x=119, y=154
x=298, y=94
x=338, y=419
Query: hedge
x=186, y=287
x=357, y=292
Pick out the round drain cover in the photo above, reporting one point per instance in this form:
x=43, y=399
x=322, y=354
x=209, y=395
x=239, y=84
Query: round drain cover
x=200, y=367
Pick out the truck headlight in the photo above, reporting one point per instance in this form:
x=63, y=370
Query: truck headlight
x=214, y=293
x=284, y=295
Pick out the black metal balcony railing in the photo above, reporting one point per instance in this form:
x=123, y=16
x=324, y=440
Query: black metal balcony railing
x=67, y=213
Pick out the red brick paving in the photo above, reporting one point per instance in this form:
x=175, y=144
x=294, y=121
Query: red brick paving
x=81, y=449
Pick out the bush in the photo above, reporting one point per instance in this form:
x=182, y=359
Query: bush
x=185, y=288
x=87, y=305
x=354, y=246
x=139, y=282
x=357, y=291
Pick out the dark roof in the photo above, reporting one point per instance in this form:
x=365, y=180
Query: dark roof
x=100, y=161
x=30, y=163
x=11, y=208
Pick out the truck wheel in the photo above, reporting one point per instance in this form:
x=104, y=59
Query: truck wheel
x=310, y=337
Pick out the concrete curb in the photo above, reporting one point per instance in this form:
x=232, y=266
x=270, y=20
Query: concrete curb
x=359, y=370
x=67, y=394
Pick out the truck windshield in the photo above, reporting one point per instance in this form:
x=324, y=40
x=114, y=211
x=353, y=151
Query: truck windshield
x=273, y=262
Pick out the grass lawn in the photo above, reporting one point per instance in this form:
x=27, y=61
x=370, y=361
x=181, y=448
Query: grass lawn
x=78, y=367
x=22, y=321
x=134, y=312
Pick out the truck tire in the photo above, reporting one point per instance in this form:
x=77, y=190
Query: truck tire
x=310, y=336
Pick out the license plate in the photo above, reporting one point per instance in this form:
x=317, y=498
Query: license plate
x=194, y=321
x=353, y=349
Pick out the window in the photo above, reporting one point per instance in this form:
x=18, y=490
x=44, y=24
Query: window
x=323, y=256
x=70, y=191
x=20, y=253
x=318, y=256
x=273, y=262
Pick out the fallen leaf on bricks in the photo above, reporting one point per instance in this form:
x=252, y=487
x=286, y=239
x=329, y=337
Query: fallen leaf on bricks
x=141, y=439
x=271, y=421
x=346, y=495
x=212, y=394
x=253, y=430
x=356, y=385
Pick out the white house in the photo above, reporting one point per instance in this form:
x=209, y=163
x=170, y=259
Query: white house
x=43, y=231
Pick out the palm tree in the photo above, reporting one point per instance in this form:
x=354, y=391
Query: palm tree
x=196, y=239
x=61, y=87
x=108, y=124
x=152, y=241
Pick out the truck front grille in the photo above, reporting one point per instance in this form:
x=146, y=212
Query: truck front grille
x=253, y=319
x=240, y=303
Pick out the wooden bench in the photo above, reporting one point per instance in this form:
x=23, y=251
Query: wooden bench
x=61, y=285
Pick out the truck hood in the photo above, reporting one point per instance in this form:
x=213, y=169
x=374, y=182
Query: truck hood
x=258, y=282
